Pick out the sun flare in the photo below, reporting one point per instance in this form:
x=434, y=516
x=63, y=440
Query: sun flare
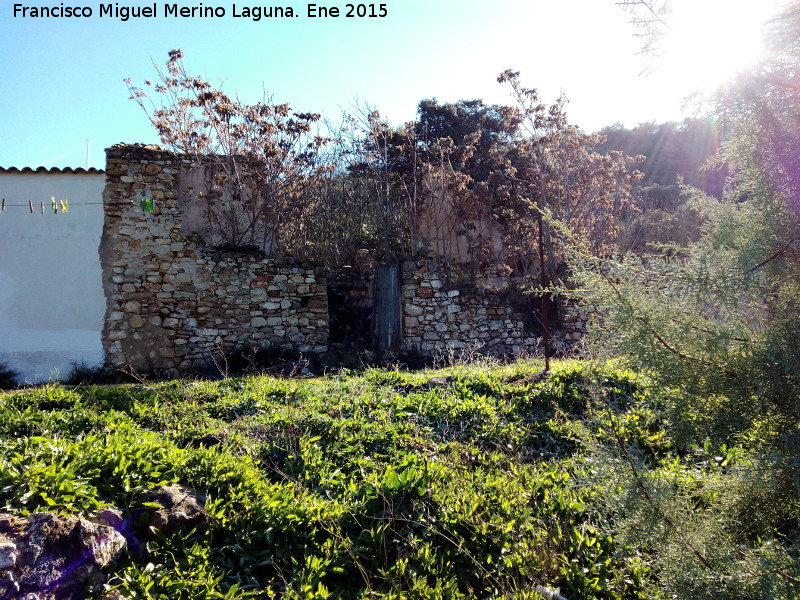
x=709, y=41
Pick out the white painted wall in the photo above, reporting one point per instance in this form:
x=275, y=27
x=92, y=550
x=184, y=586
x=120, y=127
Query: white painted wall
x=51, y=298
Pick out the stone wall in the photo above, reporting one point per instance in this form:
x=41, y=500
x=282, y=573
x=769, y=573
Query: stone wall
x=576, y=321
x=173, y=303
x=438, y=316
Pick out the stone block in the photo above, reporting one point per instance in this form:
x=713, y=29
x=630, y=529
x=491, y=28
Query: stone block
x=412, y=310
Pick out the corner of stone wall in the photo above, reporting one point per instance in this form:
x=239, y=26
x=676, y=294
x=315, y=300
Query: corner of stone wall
x=174, y=305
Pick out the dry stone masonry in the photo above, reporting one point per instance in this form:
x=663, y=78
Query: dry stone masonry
x=438, y=317
x=175, y=304
x=576, y=321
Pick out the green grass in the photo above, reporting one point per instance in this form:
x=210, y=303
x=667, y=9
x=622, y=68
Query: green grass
x=356, y=485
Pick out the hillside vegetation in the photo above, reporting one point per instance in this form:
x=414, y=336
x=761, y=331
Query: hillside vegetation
x=468, y=482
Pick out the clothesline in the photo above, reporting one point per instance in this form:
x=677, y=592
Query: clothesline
x=8, y=205
x=57, y=206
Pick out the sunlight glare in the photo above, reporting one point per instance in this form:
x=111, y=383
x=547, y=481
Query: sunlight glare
x=709, y=41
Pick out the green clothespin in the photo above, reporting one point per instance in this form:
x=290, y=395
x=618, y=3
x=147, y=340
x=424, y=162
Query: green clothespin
x=146, y=204
x=53, y=203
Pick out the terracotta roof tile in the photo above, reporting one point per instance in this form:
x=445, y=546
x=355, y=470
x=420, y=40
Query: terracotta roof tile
x=50, y=170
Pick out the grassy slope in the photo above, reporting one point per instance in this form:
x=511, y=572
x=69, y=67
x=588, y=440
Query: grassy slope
x=352, y=485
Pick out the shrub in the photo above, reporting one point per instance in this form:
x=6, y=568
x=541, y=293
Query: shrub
x=7, y=377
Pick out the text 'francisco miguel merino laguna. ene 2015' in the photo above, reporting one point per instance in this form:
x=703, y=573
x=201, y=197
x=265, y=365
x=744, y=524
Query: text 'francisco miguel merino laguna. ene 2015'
x=155, y=10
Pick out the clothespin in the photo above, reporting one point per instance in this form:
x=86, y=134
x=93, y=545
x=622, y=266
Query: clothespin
x=54, y=205
x=30, y=203
x=146, y=204
x=64, y=207
x=42, y=206
x=3, y=206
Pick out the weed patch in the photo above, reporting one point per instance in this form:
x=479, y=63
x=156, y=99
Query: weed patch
x=466, y=482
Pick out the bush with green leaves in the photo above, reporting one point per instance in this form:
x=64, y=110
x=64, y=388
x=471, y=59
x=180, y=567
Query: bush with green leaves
x=715, y=326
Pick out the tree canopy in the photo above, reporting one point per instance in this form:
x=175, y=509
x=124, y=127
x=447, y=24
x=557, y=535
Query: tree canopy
x=465, y=182
x=673, y=152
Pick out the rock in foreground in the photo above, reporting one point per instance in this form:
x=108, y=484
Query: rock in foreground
x=47, y=557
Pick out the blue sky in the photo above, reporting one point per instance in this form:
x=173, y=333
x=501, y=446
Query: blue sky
x=62, y=77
